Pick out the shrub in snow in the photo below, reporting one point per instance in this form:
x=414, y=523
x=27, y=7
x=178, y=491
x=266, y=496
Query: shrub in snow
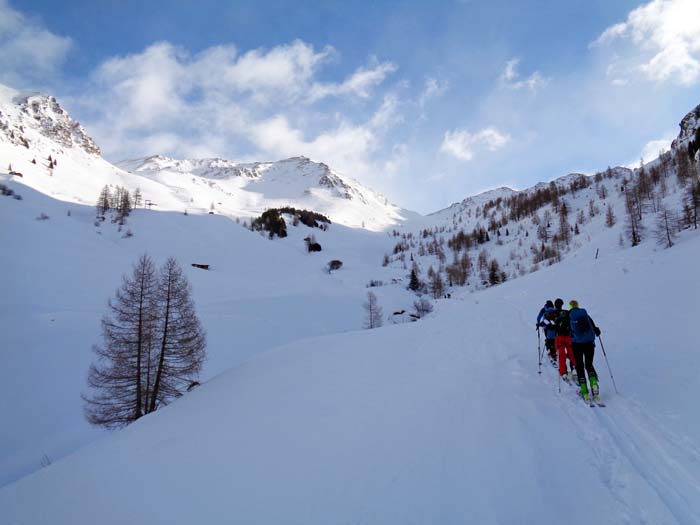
x=9, y=192
x=335, y=264
x=423, y=307
x=45, y=460
x=42, y=217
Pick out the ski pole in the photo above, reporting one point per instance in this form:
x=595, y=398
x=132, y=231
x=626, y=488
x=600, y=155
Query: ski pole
x=539, y=352
x=608, y=363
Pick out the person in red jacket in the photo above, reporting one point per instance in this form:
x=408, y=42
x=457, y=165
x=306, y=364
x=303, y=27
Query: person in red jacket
x=562, y=341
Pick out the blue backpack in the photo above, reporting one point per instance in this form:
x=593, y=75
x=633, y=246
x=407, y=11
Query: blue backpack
x=581, y=326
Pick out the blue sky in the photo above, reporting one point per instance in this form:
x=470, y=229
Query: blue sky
x=427, y=102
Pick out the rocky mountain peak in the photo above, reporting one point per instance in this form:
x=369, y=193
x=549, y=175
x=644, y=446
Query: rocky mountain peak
x=43, y=114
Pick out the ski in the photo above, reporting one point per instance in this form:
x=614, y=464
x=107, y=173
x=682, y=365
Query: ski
x=598, y=402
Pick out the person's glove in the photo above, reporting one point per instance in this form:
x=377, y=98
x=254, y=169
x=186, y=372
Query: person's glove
x=597, y=331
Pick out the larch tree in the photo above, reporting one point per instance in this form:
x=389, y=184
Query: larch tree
x=437, y=286
x=180, y=338
x=118, y=379
x=564, y=234
x=610, y=216
x=153, y=346
x=666, y=226
x=104, y=201
x=633, y=225
x=373, y=312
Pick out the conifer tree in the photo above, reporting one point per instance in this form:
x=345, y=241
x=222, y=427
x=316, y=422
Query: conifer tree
x=104, y=202
x=666, y=224
x=610, y=216
x=633, y=225
x=564, y=227
x=117, y=380
x=153, y=346
x=414, y=284
x=180, y=337
x=692, y=201
x=437, y=287
x=373, y=311
x=495, y=274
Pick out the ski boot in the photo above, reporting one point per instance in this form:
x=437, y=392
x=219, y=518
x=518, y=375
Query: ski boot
x=594, y=389
x=584, y=393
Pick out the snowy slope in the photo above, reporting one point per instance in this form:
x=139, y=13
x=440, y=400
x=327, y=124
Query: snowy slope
x=443, y=421
x=60, y=272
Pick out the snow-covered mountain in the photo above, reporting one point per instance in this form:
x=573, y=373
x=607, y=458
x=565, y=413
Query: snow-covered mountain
x=34, y=128
x=246, y=190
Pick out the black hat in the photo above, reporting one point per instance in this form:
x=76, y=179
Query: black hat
x=549, y=303
x=558, y=303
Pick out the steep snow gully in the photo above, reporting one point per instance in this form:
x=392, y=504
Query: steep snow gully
x=442, y=421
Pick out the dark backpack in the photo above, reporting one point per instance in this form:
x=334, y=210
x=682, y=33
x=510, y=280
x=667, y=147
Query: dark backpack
x=581, y=326
x=562, y=323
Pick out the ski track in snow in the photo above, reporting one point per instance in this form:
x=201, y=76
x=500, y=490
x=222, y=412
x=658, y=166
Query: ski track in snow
x=623, y=438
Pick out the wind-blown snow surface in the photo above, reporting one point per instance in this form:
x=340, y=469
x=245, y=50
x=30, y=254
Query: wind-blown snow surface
x=442, y=421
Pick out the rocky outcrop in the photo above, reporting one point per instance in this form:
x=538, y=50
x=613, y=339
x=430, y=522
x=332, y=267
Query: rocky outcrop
x=45, y=115
x=689, y=135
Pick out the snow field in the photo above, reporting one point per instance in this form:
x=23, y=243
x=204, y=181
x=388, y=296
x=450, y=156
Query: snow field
x=438, y=421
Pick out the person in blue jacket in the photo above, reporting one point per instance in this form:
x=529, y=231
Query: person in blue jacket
x=583, y=334
x=545, y=320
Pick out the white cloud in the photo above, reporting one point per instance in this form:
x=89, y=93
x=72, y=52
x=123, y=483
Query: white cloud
x=257, y=104
x=28, y=52
x=511, y=78
x=663, y=40
x=652, y=149
x=359, y=84
x=432, y=88
x=463, y=145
